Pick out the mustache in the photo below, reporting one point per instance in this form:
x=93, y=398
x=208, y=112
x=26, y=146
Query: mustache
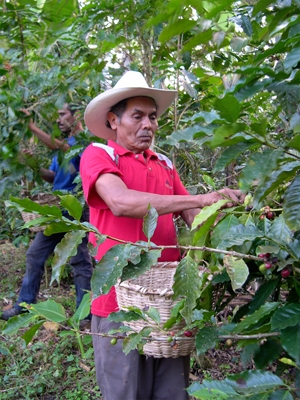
x=145, y=133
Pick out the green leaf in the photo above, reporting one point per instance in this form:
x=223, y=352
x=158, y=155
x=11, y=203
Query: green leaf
x=201, y=236
x=17, y=322
x=290, y=340
x=133, y=314
x=228, y=107
x=292, y=58
x=209, y=181
x=41, y=221
x=132, y=341
x=231, y=154
x=258, y=168
x=264, y=311
x=210, y=394
x=153, y=313
x=177, y=28
x=291, y=205
x=239, y=234
x=63, y=251
x=58, y=227
x=211, y=387
x=84, y=308
x=294, y=143
x=268, y=352
x=50, y=310
x=262, y=294
x=246, y=25
x=237, y=270
x=294, y=248
x=31, y=206
x=150, y=222
x=147, y=260
x=284, y=173
x=261, y=5
x=222, y=228
x=279, y=232
x=206, y=212
x=110, y=267
x=226, y=133
x=72, y=205
x=29, y=334
x=188, y=134
x=198, y=39
x=187, y=285
x=206, y=339
x=254, y=381
x=287, y=315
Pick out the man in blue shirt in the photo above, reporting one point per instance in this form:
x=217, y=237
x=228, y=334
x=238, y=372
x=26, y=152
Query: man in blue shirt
x=62, y=178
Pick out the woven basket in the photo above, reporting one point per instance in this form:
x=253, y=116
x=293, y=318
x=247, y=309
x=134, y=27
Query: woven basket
x=154, y=289
x=42, y=199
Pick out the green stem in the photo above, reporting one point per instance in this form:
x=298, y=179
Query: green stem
x=79, y=340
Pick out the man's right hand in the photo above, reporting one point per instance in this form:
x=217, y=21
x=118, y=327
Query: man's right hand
x=235, y=197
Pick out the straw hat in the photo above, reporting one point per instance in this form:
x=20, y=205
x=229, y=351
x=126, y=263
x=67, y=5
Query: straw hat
x=131, y=84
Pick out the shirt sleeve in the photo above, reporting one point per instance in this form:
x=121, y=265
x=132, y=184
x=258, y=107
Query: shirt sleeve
x=95, y=162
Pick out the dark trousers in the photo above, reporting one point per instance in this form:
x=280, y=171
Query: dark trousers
x=134, y=376
x=38, y=253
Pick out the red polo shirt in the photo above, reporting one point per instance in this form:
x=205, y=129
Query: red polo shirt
x=149, y=172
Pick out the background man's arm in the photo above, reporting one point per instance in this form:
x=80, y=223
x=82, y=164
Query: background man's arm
x=51, y=143
x=47, y=175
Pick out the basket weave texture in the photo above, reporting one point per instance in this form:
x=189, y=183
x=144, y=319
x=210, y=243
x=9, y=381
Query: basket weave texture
x=154, y=289
x=42, y=199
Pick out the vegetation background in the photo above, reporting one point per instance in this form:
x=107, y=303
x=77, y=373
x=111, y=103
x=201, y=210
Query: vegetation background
x=236, y=122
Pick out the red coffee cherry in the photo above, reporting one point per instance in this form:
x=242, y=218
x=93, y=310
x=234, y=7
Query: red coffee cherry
x=268, y=265
x=285, y=273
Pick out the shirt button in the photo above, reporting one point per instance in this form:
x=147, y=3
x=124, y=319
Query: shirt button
x=136, y=156
x=150, y=168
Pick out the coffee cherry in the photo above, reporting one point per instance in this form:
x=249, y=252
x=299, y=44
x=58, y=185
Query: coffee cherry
x=228, y=343
x=113, y=341
x=170, y=339
x=268, y=265
x=261, y=255
x=274, y=260
x=270, y=215
x=285, y=272
x=188, y=333
x=262, y=268
x=262, y=216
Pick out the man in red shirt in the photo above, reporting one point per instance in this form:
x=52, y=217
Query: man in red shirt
x=120, y=180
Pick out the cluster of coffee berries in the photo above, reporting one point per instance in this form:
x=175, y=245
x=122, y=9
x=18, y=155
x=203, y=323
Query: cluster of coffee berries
x=267, y=213
x=172, y=339
x=271, y=263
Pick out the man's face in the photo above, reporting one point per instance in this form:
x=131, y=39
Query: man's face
x=135, y=130
x=65, y=120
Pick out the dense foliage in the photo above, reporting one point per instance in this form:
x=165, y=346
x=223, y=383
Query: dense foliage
x=236, y=121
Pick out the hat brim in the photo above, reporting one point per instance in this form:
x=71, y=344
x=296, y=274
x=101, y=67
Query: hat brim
x=95, y=115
